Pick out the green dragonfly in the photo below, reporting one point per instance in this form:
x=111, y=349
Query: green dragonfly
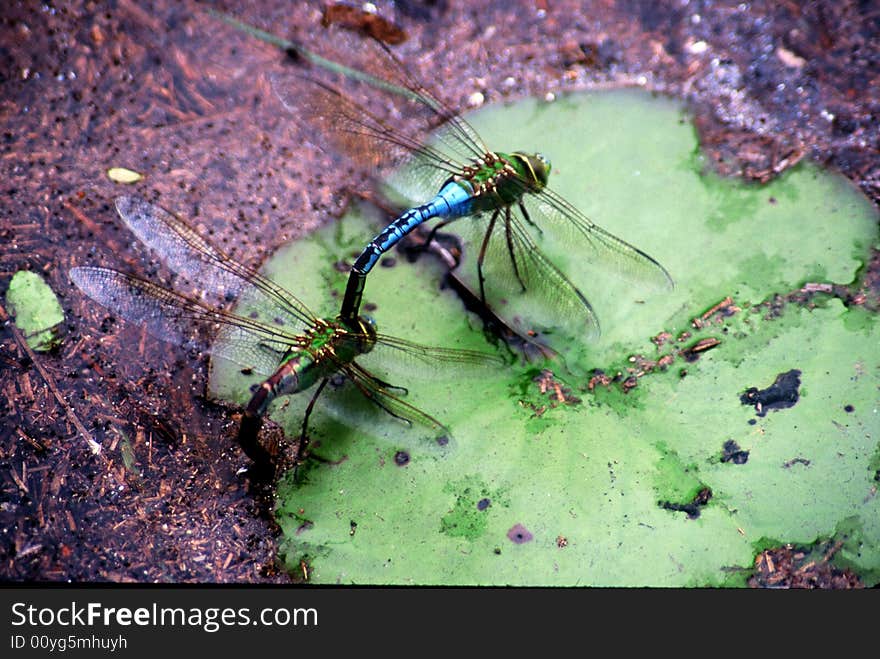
x=451, y=176
x=278, y=337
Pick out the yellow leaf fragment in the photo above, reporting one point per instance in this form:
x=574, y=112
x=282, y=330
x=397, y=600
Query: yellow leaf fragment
x=123, y=175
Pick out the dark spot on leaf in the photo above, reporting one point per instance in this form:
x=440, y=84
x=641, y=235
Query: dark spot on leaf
x=443, y=440
x=796, y=461
x=849, y=408
x=784, y=392
x=733, y=453
x=752, y=422
x=519, y=534
x=388, y=262
x=370, y=307
x=401, y=458
x=692, y=508
x=482, y=504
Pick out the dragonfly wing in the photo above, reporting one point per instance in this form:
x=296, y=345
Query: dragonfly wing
x=392, y=347
x=368, y=142
x=373, y=390
x=374, y=110
x=218, y=275
x=400, y=362
x=569, y=226
x=183, y=321
x=521, y=283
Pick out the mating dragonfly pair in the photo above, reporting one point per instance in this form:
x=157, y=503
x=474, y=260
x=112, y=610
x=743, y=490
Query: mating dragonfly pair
x=505, y=197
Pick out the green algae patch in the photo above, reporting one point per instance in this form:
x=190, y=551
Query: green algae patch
x=474, y=503
x=676, y=482
x=35, y=308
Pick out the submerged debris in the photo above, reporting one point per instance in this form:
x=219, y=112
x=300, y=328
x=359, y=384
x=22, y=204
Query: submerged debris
x=662, y=339
x=693, y=507
x=599, y=379
x=370, y=23
x=716, y=314
x=733, y=453
x=783, y=393
x=791, y=567
x=692, y=353
x=559, y=393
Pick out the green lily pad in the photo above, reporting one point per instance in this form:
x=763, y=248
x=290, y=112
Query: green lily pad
x=554, y=477
x=36, y=309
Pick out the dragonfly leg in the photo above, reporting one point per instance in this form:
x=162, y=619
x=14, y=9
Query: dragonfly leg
x=525, y=214
x=433, y=233
x=434, y=238
x=303, y=440
x=387, y=385
x=483, y=246
x=368, y=393
x=509, y=237
x=396, y=416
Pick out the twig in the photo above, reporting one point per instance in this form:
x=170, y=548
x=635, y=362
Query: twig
x=94, y=446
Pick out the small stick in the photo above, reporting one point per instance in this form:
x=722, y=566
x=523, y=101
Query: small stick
x=94, y=446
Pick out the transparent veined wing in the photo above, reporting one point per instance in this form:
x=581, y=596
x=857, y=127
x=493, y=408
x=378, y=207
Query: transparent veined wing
x=550, y=212
x=200, y=262
x=184, y=321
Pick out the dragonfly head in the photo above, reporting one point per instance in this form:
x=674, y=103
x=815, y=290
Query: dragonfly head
x=366, y=327
x=538, y=167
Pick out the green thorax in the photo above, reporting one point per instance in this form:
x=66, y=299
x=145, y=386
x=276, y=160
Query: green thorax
x=326, y=346
x=501, y=179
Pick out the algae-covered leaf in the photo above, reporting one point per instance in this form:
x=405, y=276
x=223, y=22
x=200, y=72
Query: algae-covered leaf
x=36, y=309
x=555, y=477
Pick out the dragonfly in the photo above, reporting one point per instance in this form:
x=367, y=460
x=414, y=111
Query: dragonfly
x=278, y=337
x=436, y=155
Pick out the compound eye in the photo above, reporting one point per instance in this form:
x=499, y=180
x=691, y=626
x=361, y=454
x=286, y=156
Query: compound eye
x=367, y=324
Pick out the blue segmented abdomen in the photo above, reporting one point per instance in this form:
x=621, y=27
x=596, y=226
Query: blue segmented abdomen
x=455, y=199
